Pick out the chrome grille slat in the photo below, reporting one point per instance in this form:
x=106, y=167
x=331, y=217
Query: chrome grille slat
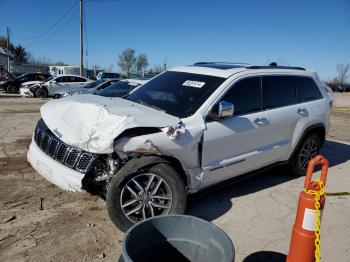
x=53, y=147
x=71, y=157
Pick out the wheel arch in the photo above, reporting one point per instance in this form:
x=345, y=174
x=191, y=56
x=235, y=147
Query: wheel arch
x=318, y=129
x=135, y=164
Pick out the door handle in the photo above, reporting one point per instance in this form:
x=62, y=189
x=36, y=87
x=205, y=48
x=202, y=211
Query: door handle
x=260, y=120
x=302, y=111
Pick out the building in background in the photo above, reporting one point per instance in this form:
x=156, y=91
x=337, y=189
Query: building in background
x=73, y=70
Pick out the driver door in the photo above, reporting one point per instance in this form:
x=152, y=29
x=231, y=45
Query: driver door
x=239, y=143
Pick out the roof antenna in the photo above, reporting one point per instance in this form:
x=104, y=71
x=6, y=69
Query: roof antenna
x=273, y=64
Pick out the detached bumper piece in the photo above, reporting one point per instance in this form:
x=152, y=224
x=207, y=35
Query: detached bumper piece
x=53, y=147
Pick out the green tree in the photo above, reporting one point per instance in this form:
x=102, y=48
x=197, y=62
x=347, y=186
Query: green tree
x=20, y=54
x=141, y=63
x=127, y=60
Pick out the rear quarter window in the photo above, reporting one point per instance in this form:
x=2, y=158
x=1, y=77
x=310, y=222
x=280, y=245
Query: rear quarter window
x=307, y=89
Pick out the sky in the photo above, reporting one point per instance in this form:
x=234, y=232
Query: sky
x=311, y=33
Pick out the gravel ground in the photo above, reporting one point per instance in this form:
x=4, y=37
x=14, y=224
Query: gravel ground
x=40, y=222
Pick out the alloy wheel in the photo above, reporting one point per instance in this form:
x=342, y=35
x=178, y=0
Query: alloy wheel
x=145, y=195
x=308, y=151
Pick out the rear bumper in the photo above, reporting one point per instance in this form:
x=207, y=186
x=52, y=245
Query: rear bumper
x=53, y=171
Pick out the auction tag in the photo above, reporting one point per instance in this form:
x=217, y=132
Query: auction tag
x=309, y=219
x=195, y=84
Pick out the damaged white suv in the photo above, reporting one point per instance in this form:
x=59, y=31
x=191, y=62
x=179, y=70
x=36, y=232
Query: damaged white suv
x=186, y=129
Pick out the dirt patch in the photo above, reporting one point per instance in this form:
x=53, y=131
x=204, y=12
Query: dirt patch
x=23, y=142
x=10, y=164
x=13, y=111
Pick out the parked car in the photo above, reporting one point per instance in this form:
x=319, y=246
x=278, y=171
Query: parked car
x=57, y=83
x=24, y=89
x=120, y=88
x=4, y=79
x=186, y=129
x=90, y=88
x=107, y=76
x=13, y=85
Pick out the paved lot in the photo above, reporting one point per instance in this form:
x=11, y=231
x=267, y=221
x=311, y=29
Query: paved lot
x=40, y=222
x=342, y=99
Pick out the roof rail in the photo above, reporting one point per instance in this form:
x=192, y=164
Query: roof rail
x=230, y=63
x=276, y=67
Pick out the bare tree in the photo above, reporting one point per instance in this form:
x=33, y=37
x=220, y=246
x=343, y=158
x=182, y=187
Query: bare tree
x=158, y=69
x=127, y=60
x=60, y=63
x=42, y=61
x=110, y=68
x=141, y=63
x=343, y=71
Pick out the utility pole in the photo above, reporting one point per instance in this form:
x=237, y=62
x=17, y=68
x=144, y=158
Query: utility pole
x=81, y=40
x=8, y=48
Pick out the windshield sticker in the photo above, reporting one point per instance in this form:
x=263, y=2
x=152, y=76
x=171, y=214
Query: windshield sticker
x=195, y=84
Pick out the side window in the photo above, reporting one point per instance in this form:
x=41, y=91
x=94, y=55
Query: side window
x=73, y=79
x=76, y=79
x=278, y=91
x=25, y=78
x=41, y=77
x=307, y=89
x=32, y=77
x=245, y=95
x=62, y=79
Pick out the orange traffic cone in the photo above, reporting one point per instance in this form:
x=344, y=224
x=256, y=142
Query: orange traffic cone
x=304, y=246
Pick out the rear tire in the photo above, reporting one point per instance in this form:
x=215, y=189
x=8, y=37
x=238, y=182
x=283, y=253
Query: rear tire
x=308, y=149
x=169, y=197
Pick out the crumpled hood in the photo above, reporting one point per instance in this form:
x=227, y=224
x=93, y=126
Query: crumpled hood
x=92, y=122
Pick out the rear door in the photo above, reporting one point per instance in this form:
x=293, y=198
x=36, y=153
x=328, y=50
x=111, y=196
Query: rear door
x=60, y=83
x=78, y=81
x=287, y=116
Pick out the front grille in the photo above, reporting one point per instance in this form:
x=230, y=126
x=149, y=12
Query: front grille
x=71, y=157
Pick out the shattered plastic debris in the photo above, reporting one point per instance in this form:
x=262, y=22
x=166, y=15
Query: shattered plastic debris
x=174, y=131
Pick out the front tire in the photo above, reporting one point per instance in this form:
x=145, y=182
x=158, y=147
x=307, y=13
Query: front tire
x=11, y=89
x=308, y=149
x=41, y=92
x=152, y=191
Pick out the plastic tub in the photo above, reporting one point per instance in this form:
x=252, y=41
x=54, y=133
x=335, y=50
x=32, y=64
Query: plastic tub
x=176, y=238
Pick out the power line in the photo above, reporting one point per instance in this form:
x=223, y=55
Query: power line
x=56, y=31
x=51, y=27
x=101, y=1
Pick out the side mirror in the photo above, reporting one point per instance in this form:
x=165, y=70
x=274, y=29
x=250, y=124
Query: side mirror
x=226, y=109
x=222, y=110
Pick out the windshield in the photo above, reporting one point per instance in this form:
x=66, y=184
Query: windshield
x=118, y=89
x=92, y=85
x=176, y=93
x=19, y=77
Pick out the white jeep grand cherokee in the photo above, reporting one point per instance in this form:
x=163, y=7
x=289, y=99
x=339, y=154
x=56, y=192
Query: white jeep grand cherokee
x=186, y=129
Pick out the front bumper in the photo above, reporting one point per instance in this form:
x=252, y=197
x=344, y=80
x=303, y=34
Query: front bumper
x=25, y=92
x=58, y=174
